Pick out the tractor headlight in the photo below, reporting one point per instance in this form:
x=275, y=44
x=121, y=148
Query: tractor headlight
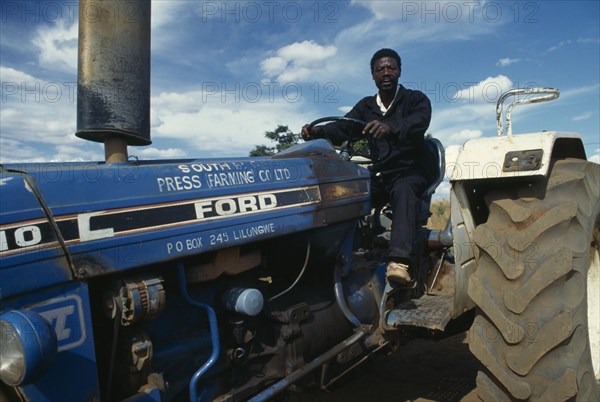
x=27, y=346
x=12, y=357
x=344, y=190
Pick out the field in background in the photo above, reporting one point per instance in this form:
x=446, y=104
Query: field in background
x=440, y=213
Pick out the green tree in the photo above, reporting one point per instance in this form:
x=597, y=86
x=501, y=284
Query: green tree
x=282, y=136
x=361, y=147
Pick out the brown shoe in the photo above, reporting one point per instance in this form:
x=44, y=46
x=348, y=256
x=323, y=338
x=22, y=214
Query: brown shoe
x=397, y=272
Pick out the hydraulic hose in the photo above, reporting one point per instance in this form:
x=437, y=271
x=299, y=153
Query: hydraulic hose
x=214, y=333
x=339, y=296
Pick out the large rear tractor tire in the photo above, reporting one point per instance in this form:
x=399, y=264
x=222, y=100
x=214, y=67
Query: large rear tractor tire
x=537, y=289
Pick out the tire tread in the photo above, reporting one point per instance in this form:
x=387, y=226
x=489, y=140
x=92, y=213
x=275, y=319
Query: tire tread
x=528, y=290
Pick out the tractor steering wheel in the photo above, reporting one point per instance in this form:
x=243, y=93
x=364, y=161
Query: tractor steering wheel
x=336, y=118
x=347, y=148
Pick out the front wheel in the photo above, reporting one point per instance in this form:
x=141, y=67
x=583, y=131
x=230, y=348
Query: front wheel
x=537, y=289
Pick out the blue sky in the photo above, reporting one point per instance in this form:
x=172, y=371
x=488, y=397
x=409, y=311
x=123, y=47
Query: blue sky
x=224, y=72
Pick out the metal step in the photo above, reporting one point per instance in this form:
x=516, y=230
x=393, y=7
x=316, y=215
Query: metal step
x=429, y=311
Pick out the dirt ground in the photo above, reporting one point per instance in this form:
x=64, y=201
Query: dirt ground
x=421, y=371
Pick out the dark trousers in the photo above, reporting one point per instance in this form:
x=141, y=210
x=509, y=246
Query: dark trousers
x=402, y=192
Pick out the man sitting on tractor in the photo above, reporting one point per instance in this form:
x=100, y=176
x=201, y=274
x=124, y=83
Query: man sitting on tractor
x=396, y=121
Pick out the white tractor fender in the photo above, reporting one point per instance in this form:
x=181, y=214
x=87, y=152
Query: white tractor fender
x=513, y=156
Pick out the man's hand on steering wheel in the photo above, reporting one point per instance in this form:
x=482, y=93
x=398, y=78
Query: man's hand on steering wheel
x=377, y=129
x=309, y=132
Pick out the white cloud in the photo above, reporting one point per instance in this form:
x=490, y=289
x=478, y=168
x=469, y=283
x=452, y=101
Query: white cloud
x=57, y=45
x=457, y=124
x=458, y=19
x=506, y=62
x=204, y=124
x=451, y=155
x=156, y=153
x=583, y=116
x=579, y=91
x=464, y=135
x=559, y=45
x=354, y=43
x=178, y=102
x=306, y=53
x=438, y=11
x=70, y=149
x=297, y=61
x=382, y=9
x=222, y=130
x=221, y=126
x=273, y=66
x=407, y=27
x=37, y=117
x=471, y=115
x=45, y=124
x=488, y=90
x=10, y=75
x=570, y=42
x=596, y=157
x=31, y=116
x=300, y=74
x=169, y=24
x=588, y=40
x=15, y=151
x=80, y=151
x=167, y=12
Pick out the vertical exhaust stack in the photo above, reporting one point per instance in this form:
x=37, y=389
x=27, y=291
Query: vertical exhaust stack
x=113, y=77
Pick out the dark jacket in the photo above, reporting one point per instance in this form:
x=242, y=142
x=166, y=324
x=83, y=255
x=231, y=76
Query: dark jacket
x=408, y=116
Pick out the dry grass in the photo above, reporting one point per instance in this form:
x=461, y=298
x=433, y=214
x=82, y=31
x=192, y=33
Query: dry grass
x=440, y=213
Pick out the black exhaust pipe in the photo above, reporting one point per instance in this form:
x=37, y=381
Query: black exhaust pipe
x=113, y=77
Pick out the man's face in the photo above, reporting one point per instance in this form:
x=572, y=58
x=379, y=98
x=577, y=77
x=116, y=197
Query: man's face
x=386, y=74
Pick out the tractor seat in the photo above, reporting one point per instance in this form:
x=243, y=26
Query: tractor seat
x=437, y=161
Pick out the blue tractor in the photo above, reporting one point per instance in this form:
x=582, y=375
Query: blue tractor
x=244, y=278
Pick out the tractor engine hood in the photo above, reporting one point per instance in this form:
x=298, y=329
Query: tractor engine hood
x=66, y=220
